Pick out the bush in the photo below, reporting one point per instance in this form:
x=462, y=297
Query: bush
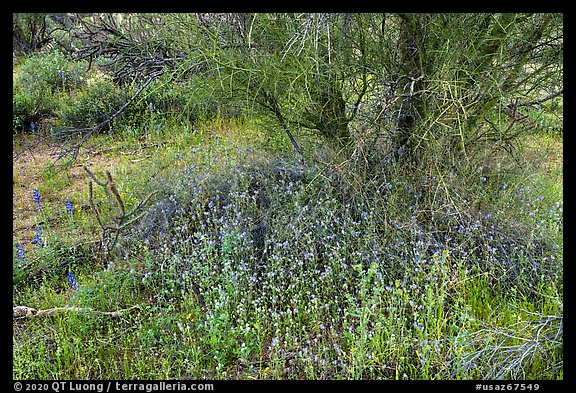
x=93, y=105
x=51, y=71
x=39, y=85
x=23, y=112
x=320, y=265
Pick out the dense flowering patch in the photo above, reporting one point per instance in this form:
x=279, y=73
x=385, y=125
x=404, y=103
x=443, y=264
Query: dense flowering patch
x=315, y=270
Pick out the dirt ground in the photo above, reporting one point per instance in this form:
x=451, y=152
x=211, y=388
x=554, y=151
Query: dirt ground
x=29, y=173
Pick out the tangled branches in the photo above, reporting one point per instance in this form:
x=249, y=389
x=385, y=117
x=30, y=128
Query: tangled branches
x=507, y=352
x=127, y=42
x=122, y=219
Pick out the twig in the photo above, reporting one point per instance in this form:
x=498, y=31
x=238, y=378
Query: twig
x=19, y=312
x=120, y=224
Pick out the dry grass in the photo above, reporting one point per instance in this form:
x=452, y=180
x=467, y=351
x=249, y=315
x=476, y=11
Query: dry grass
x=32, y=170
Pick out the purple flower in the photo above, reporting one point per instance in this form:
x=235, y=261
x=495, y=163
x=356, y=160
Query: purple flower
x=72, y=281
x=38, y=237
x=62, y=74
x=20, y=251
x=37, y=196
x=32, y=126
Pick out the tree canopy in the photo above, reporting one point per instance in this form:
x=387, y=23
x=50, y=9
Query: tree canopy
x=416, y=84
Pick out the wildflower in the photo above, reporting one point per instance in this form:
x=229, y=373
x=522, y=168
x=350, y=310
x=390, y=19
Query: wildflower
x=37, y=197
x=32, y=126
x=20, y=251
x=72, y=281
x=62, y=74
x=69, y=207
x=38, y=237
x=151, y=107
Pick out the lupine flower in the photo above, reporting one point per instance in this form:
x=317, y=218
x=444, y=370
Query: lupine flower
x=151, y=108
x=38, y=237
x=37, y=196
x=72, y=281
x=32, y=126
x=62, y=74
x=69, y=207
x=20, y=250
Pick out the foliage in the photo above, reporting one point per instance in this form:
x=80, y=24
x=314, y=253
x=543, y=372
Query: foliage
x=417, y=85
x=23, y=113
x=93, y=105
x=41, y=85
x=29, y=32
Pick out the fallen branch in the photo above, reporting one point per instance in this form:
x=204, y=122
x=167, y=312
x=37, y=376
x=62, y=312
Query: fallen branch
x=19, y=312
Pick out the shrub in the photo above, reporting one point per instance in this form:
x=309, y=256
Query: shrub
x=93, y=105
x=23, y=110
x=52, y=71
x=40, y=83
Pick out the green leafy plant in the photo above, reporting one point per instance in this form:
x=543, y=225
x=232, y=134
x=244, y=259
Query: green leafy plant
x=41, y=85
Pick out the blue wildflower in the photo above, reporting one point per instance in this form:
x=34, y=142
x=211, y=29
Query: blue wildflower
x=151, y=108
x=38, y=237
x=20, y=251
x=69, y=207
x=62, y=74
x=72, y=281
x=32, y=126
x=37, y=196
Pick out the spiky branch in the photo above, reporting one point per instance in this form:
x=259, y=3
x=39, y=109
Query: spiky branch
x=123, y=219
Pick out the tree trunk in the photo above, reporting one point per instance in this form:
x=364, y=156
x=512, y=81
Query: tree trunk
x=411, y=108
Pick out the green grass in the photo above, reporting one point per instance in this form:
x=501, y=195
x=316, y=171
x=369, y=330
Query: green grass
x=279, y=275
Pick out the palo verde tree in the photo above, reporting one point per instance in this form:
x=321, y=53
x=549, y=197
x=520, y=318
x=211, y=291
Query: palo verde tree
x=463, y=71
x=416, y=86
